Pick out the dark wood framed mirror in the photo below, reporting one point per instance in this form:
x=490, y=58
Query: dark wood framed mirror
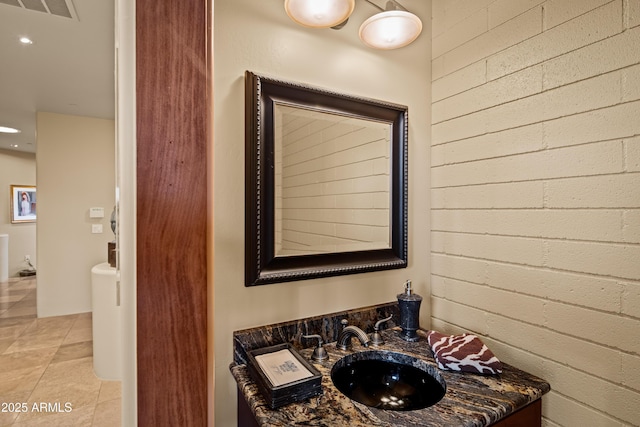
x=325, y=182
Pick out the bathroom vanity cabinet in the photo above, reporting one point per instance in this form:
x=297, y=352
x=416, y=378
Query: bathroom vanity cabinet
x=510, y=399
x=529, y=416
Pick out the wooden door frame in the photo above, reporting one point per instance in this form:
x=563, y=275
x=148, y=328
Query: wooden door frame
x=173, y=130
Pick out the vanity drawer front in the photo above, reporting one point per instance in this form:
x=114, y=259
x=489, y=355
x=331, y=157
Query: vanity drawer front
x=529, y=416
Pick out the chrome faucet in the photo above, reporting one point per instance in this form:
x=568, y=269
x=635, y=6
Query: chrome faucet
x=348, y=332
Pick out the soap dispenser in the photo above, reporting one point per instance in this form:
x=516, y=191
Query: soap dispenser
x=409, y=313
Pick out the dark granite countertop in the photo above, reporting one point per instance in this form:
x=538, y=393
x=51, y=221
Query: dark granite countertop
x=471, y=400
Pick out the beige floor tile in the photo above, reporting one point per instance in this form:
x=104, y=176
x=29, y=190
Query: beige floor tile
x=5, y=321
x=13, y=295
x=83, y=319
x=70, y=382
x=23, y=284
x=73, y=351
x=18, y=312
x=14, y=329
x=13, y=321
x=27, y=302
x=6, y=301
x=110, y=390
x=76, y=417
x=26, y=359
x=5, y=344
x=48, y=363
x=108, y=414
x=14, y=406
x=21, y=371
x=31, y=344
x=70, y=372
x=18, y=380
x=43, y=333
x=83, y=323
x=7, y=418
x=78, y=334
x=53, y=324
x=15, y=291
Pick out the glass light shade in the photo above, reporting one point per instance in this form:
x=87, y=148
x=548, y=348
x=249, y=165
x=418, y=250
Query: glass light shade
x=319, y=13
x=391, y=29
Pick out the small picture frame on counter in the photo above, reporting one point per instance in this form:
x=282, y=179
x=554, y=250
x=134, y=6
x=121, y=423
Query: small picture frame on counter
x=283, y=376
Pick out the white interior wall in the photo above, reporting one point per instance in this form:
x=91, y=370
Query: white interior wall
x=17, y=168
x=535, y=169
x=258, y=36
x=75, y=171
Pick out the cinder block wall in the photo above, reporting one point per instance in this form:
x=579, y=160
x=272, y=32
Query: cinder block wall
x=536, y=194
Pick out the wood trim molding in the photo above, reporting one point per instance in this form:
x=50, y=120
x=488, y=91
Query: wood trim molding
x=172, y=137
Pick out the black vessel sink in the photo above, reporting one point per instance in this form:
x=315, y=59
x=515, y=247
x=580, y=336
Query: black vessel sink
x=388, y=380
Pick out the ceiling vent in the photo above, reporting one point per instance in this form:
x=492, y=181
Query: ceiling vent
x=63, y=8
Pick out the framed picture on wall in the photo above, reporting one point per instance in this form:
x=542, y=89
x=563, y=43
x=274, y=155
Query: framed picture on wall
x=23, y=203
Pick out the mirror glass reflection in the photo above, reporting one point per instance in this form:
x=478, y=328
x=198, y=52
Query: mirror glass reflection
x=332, y=182
x=325, y=182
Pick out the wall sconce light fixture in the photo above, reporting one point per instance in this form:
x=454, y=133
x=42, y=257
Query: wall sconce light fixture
x=391, y=28
x=319, y=13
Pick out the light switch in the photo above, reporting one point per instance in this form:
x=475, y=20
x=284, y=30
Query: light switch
x=96, y=213
x=96, y=228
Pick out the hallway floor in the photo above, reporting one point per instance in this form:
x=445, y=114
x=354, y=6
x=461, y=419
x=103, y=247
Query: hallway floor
x=46, y=366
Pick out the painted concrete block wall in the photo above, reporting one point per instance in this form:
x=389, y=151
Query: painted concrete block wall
x=334, y=175
x=535, y=194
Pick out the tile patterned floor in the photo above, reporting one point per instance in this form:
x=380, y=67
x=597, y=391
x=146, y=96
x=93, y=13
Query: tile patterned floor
x=46, y=366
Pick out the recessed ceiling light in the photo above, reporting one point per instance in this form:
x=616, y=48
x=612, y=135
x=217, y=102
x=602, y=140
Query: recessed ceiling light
x=13, y=145
x=25, y=40
x=5, y=129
